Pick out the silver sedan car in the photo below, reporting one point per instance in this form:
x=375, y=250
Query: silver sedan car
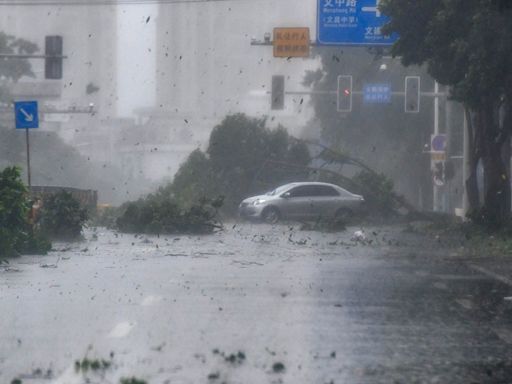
x=304, y=200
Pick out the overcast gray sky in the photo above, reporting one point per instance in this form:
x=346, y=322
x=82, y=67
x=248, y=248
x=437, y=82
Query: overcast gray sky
x=136, y=52
x=137, y=45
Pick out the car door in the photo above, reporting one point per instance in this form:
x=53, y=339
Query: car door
x=296, y=203
x=325, y=201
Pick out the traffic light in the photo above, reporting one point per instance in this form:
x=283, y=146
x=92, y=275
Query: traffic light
x=277, y=101
x=412, y=94
x=53, y=60
x=344, y=93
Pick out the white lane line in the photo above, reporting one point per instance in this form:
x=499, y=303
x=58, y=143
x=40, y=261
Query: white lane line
x=151, y=300
x=503, y=279
x=121, y=330
x=465, y=303
x=504, y=334
x=69, y=376
x=440, y=285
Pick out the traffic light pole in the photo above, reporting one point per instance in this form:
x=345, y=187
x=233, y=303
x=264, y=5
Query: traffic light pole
x=19, y=56
x=436, y=192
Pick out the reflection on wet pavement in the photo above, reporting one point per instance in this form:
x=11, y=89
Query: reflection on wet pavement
x=253, y=304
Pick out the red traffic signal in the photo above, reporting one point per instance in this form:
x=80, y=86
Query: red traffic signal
x=344, y=94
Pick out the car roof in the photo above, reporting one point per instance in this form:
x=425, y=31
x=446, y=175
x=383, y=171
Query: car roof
x=299, y=183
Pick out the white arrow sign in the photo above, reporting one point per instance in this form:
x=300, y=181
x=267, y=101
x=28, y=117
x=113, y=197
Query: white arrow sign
x=28, y=116
x=373, y=9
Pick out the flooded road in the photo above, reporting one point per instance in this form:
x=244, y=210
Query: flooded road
x=254, y=304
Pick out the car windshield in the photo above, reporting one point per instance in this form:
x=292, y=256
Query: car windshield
x=278, y=190
x=138, y=136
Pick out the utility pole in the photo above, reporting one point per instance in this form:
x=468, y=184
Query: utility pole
x=437, y=193
x=28, y=160
x=466, y=164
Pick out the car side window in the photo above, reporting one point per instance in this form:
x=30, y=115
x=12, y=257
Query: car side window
x=325, y=190
x=301, y=191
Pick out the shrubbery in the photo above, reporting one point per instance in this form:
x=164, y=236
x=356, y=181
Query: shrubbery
x=16, y=235
x=62, y=217
x=158, y=214
x=242, y=159
x=378, y=192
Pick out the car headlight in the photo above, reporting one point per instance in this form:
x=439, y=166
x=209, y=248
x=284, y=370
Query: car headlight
x=258, y=202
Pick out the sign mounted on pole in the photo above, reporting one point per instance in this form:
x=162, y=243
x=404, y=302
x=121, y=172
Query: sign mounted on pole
x=26, y=115
x=377, y=93
x=291, y=42
x=351, y=22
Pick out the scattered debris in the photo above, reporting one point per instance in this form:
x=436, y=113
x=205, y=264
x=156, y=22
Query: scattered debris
x=86, y=364
x=158, y=348
x=132, y=380
x=51, y=265
x=246, y=263
x=359, y=236
x=37, y=373
x=278, y=367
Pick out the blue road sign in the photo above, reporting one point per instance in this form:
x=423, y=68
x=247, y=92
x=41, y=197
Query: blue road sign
x=26, y=115
x=377, y=93
x=351, y=22
x=438, y=143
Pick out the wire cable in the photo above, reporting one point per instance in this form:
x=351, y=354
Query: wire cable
x=111, y=2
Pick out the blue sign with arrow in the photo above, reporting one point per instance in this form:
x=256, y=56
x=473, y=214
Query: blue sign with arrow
x=351, y=22
x=26, y=114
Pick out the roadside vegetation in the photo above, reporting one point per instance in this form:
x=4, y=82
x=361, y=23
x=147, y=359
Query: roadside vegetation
x=160, y=214
x=26, y=230
x=233, y=165
x=16, y=234
x=466, y=46
x=243, y=158
x=62, y=217
x=210, y=185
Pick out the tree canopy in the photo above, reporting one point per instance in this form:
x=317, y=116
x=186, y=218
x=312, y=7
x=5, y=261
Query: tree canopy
x=382, y=135
x=467, y=44
x=243, y=157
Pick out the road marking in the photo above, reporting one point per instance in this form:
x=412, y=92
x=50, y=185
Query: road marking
x=121, y=330
x=465, y=303
x=151, y=300
x=504, y=334
x=440, y=285
x=69, y=376
x=503, y=279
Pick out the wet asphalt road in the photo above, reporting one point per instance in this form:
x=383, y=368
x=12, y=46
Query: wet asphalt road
x=172, y=309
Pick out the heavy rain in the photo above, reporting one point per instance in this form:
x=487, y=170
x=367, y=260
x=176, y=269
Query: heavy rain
x=255, y=191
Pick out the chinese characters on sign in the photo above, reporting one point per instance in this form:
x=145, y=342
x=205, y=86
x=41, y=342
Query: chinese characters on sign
x=377, y=93
x=291, y=42
x=351, y=22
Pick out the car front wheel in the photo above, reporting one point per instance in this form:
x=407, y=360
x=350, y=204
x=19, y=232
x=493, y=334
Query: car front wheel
x=270, y=215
